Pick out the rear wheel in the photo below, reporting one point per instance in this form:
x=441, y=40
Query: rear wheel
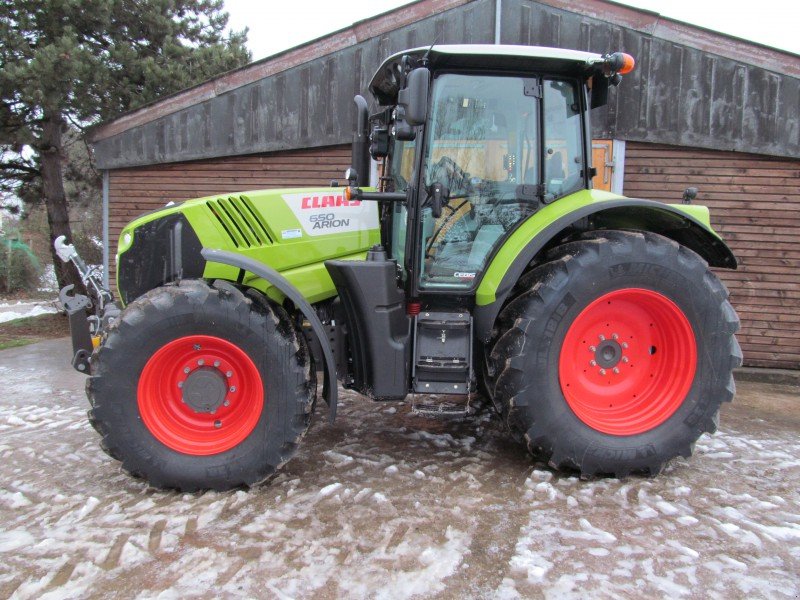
x=616, y=354
x=201, y=387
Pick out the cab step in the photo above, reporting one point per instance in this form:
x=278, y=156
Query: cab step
x=443, y=353
x=446, y=406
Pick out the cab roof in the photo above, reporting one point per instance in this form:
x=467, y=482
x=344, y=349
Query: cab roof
x=386, y=81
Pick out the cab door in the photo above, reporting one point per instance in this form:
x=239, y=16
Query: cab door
x=482, y=153
x=497, y=147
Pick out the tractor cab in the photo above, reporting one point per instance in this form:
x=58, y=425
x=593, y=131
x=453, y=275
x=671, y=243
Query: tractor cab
x=473, y=140
x=477, y=139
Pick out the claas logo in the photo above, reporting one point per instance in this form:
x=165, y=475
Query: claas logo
x=331, y=201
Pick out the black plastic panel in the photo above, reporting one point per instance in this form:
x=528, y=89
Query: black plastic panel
x=376, y=326
x=151, y=260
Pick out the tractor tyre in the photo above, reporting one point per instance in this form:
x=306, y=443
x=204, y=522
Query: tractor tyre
x=200, y=387
x=615, y=354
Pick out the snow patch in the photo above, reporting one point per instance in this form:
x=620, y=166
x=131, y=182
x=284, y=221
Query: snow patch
x=14, y=539
x=33, y=311
x=329, y=489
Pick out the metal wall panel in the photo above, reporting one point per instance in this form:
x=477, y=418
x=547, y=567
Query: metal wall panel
x=307, y=106
x=677, y=94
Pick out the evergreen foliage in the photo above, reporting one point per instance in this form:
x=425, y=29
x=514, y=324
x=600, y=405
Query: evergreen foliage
x=19, y=269
x=68, y=64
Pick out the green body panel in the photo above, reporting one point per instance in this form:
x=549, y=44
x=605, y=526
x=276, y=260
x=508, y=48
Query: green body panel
x=534, y=225
x=299, y=252
x=295, y=248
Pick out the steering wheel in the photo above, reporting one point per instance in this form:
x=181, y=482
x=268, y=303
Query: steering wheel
x=447, y=171
x=455, y=212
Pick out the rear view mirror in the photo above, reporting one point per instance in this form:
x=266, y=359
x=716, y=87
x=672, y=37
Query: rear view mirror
x=599, y=91
x=414, y=97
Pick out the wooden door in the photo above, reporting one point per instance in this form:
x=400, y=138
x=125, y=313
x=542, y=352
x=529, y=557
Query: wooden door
x=602, y=160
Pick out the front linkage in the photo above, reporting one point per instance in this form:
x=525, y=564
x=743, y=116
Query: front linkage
x=85, y=329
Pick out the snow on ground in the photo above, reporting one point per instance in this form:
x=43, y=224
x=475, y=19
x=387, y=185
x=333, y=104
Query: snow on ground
x=385, y=504
x=24, y=308
x=48, y=281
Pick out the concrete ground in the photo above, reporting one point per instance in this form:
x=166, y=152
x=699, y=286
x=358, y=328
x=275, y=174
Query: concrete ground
x=386, y=504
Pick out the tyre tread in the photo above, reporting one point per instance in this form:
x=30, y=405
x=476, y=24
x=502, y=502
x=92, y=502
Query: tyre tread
x=251, y=310
x=507, y=352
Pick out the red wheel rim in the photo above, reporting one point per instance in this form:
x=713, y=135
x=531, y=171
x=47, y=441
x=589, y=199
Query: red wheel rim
x=223, y=401
x=628, y=361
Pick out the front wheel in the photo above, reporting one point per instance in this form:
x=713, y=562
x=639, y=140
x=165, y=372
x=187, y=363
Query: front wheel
x=200, y=387
x=616, y=354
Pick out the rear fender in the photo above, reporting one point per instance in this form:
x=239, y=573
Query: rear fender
x=686, y=224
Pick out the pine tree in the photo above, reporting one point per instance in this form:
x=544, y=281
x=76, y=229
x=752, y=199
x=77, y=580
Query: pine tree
x=81, y=62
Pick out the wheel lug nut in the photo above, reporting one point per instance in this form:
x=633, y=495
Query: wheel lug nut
x=216, y=363
x=624, y=359
x=229, y=374
x=201, y=362
x=614, y=336
x=180, y=384
x=592, y=349
x=616, y=370
x=602, y=371
x=602, y=338
x=624, y=344
x=197, y=346
x=186, y=369
x=226, y=403
x=233, y=388
x=592, y=363
x=217, y=423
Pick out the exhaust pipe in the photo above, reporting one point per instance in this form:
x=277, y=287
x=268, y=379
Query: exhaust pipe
x=360, y=156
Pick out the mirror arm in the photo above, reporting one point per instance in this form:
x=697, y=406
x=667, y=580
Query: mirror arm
x=356, y=193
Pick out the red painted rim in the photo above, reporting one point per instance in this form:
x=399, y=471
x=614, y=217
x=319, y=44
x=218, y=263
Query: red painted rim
x=628, y=361
x=175, y=423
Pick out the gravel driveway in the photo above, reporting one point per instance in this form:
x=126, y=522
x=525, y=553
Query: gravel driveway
x=387, y=504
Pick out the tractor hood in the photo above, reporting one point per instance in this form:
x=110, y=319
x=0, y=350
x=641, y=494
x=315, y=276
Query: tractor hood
x=292, y=230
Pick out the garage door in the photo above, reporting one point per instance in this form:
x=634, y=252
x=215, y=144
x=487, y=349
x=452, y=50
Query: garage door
x=755, y=205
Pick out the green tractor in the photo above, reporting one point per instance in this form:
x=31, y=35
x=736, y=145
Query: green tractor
x=482, y=260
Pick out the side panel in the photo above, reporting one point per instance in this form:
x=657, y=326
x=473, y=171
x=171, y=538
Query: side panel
x=292, y=230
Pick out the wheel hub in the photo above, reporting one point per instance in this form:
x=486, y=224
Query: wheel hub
x=608, y=354
x=204, y=390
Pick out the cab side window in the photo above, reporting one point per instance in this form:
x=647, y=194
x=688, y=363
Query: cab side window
x=563, y=151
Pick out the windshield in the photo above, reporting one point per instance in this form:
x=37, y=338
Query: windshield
x=484, y=127
x=482, y=146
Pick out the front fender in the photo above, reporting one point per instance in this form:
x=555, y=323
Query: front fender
x=689, y=225
x=329, y=390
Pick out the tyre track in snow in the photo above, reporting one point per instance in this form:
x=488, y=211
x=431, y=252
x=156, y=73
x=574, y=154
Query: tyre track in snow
x=385, y=504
